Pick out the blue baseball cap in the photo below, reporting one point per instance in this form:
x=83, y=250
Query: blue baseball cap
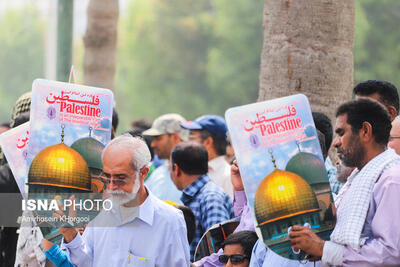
x=213, y=123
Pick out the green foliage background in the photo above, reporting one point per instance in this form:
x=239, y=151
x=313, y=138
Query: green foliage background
x=21, y=55
x=188, y=56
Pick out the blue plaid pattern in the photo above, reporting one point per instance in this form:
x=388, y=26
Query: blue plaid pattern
x=210, y=205
x=334, y=183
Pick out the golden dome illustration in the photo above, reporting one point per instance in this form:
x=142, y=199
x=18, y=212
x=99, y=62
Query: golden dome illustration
x=283, y=194
x=61, y=166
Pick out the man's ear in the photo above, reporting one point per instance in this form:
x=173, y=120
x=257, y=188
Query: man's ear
x=176, y=139
x=177, y=171
x=366, y=134
x=143, y=172
x=208, y=142
x=392, y=112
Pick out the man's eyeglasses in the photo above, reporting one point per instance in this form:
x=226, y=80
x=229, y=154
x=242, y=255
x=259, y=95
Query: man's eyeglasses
x=235, y=258
x=117, y=181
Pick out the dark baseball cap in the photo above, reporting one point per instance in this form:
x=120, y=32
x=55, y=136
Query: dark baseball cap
x=213, y=123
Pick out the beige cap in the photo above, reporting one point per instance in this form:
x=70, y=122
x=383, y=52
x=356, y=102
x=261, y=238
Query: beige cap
x=168, y=124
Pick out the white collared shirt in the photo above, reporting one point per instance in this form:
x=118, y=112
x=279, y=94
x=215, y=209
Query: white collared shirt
x=220, y=173
x=155, y=237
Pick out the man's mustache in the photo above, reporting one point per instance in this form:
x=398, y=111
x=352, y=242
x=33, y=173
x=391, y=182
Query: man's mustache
x=116, y=192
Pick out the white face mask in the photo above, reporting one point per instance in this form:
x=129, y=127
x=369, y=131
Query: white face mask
x=119, y=197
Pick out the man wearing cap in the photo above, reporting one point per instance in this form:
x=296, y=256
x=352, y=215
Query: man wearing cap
x=167, y=133
x=211, y=132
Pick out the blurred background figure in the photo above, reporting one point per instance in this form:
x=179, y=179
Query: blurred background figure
x=166, y=133
x=139, y=126
x=115, y=121
x=137, y=129
x=394, y=139
x=8, y=235
x=324, y=126
x=382, y=91
x=230, y=153
x=343, y=172
x=211, y=131
x=4, y=127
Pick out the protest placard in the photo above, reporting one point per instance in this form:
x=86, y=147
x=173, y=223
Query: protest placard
x=283, y=171
x=70, y=124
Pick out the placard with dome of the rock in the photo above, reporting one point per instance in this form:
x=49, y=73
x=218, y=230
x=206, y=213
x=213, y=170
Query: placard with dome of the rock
x=14, y=144
x=70, y=124
x=280, y=160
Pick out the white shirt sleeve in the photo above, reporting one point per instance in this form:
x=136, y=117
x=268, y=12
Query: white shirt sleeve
x=80, y=254
x=332, y=254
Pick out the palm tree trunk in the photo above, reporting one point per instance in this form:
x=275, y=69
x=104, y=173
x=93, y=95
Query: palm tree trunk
x=100, y=42
x=308, y=49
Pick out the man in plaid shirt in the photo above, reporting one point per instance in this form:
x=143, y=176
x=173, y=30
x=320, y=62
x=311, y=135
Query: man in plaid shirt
x=209, y=202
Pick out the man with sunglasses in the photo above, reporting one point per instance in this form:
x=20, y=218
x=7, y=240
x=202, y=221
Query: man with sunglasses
x=237, y=249
x=139, y=229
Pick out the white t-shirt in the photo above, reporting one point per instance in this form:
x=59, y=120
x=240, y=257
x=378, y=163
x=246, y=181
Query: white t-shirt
x=220, y=173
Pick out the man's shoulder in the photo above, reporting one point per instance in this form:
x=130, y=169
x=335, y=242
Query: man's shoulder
x=388, y=182
x=212, y=190
x=390, y=175
x=163, y=210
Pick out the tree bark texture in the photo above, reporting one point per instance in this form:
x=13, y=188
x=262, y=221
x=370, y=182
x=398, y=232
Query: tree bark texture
x=100, y=42
x=308, y=49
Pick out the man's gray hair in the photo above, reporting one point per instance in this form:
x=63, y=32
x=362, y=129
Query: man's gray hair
x=140, y=152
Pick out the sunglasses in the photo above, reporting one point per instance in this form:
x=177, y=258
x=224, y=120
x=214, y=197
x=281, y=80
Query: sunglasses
x=117, y=181
x=235, y=258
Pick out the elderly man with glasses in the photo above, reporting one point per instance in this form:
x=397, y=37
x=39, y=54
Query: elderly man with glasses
x=140, y=229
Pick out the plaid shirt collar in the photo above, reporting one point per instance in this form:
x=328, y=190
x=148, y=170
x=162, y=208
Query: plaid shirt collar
x=191, y=190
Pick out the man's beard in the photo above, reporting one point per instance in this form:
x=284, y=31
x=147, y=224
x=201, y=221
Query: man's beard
x=353, y=156
x=120, y=197
x=163, y=154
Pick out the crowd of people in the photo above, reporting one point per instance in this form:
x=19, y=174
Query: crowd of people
x=173, y=179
